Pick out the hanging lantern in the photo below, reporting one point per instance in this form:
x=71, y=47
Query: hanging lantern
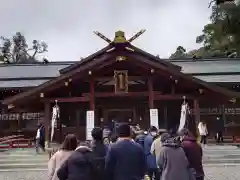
x=201, y=91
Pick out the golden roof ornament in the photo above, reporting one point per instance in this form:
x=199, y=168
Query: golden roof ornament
x=119, y=37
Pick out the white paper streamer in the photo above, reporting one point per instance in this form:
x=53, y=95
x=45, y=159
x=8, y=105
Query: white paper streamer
x=183, y=117
x=55, y=115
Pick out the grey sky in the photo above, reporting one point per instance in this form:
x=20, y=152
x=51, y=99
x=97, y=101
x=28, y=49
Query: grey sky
x=67, y=25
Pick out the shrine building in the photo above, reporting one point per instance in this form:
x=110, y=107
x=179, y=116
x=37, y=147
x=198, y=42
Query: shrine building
x=119, y=82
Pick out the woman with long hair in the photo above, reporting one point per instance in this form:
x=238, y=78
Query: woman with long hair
x=69, y=145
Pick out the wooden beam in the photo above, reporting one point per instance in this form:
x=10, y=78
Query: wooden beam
x=130, y=78
x=129, y=94
x=172, y=97
x=68, y=99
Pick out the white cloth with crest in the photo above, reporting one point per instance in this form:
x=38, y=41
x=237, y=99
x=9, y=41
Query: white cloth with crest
x=183, y=117
x=55, y=115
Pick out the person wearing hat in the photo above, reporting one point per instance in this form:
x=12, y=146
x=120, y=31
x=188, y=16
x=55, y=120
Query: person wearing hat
x=125, y=159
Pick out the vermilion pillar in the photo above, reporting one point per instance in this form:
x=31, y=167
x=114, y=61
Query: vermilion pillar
x=47, y=117
x=196, y=116
x=92, y=94
x=196, y=110
x=151, y=93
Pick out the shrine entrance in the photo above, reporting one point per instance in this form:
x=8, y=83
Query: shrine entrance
x=119, y=115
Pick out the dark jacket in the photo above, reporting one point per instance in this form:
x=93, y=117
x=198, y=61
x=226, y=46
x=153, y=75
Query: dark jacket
x=42, y=136
x=151, y=159
x=125, y=160
x=140, y=139
x=99, y=153
x=172, y=162
x=194, y=153
x=78, y=166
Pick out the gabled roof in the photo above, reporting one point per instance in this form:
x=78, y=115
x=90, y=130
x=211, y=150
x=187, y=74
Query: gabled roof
x=98, y=61
x=111, y=46
x=85, y=60
x=220, y=70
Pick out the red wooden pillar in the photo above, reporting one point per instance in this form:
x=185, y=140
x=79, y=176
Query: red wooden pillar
x=47, y=118
x=92, y=94
x=196, y=110
x=151, y=94
x=196, y=115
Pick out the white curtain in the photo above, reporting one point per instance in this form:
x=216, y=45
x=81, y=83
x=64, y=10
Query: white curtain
x=183, y=117
x=55, y=116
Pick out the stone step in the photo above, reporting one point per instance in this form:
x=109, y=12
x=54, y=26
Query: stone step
x=43, y=170
x=22, y=159
x=33, y=160
x=221, y=161
x=221, y=156
x=23, y=165
x=23, y=156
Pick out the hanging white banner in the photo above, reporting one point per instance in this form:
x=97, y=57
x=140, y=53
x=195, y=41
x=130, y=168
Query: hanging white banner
x=183, y=117
x=55, y=116
x=89, y=124
x=154, y=118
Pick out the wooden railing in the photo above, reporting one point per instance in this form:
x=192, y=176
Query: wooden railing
x=15, y=141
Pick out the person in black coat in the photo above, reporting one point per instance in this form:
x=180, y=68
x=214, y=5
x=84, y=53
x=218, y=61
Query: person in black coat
x=40, y=138
x=125, y=159
x=141, y=137
x=99, y=152
x=78, y=166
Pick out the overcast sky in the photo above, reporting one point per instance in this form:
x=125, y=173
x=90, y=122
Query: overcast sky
x=67, y=25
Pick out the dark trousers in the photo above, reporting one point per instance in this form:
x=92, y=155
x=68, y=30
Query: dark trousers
x=203, y=139
x=153, y=174
x=219, y=137
x=40, y=144
x=200, y=178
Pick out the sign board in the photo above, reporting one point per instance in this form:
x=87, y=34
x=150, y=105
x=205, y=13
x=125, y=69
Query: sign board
x=21, y=116
x=89, y=124
x=154, y=117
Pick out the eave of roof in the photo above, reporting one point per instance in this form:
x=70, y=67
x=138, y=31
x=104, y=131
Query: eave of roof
x=64, y=76
x=88, y=61
x=85, y=60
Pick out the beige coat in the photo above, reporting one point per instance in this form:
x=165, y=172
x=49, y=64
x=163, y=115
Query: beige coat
x=55, y=163
x=156, y=147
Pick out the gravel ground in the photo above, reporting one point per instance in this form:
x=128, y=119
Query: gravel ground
x=212, y=173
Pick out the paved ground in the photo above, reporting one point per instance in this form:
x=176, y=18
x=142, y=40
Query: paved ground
x=222, y=169
x=212, y=173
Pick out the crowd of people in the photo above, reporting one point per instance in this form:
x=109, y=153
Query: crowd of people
x=129, y=155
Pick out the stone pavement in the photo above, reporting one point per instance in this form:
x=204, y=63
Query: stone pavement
x=22, y=159
x=218, y=165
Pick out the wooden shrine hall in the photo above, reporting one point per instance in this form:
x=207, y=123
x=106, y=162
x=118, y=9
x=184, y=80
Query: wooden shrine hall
x=119, y=82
